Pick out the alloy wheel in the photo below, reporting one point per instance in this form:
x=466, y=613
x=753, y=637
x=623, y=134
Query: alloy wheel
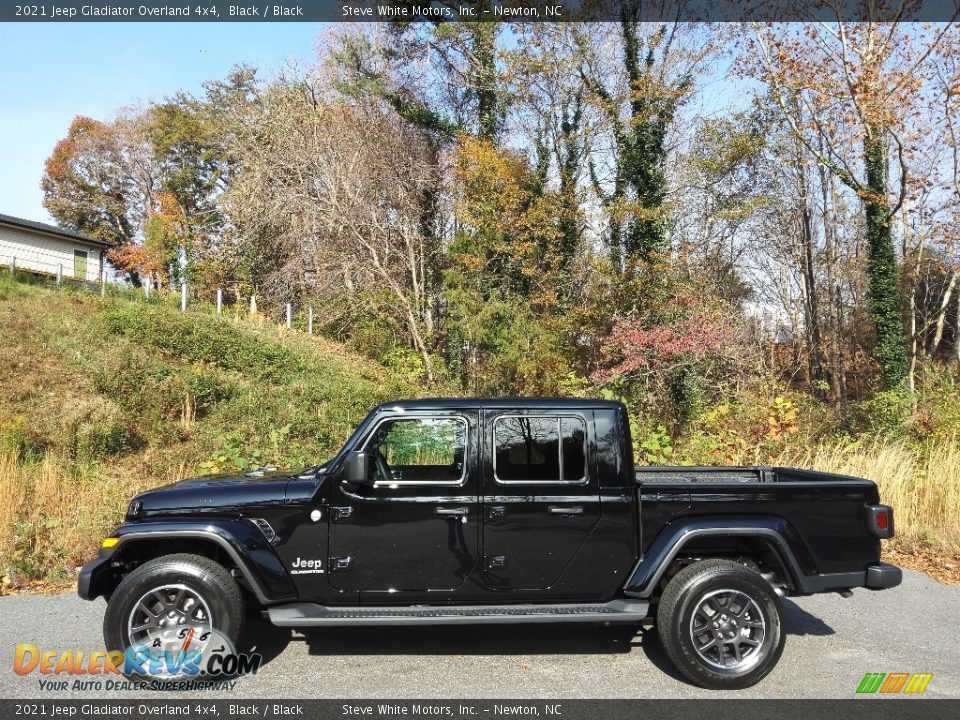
x=163, y=611
x=728, y=630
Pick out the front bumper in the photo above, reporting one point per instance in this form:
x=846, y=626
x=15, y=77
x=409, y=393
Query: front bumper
x=882, y=576
x=91, y=583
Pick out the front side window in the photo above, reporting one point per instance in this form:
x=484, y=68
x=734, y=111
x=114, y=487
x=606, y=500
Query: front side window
x=536, y=449
x=419, y=450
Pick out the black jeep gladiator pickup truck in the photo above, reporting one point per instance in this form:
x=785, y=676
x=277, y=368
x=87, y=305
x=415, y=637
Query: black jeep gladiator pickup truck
x=497, y=511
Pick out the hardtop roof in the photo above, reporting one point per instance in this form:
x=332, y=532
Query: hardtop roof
x=518, y=403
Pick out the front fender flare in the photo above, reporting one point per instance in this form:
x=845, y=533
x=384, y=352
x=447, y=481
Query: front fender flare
x=243, y=543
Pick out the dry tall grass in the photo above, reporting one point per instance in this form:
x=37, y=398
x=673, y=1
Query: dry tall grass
x=922, y=487
x=53, y=514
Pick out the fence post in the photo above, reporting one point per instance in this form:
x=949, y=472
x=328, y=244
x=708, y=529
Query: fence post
x=310, y=321
x=253, y=305
x=289, y=316
x=219, y=300
x=103, y=288
x=146, y=289
x=183, y=296
x=13, y=264
x=59, y=275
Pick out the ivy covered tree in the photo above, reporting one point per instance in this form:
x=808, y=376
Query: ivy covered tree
x=639, y=102
x=850, y=92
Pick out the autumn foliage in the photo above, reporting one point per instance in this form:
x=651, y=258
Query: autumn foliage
x=637, y=349
x=698, y=220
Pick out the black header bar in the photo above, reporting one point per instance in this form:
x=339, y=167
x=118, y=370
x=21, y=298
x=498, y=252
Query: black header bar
x=196, y=708
x=437, y=11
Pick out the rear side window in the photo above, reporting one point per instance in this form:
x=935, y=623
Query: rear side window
x=539, y=449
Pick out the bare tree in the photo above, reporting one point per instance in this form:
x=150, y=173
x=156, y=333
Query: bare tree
x=338, y=187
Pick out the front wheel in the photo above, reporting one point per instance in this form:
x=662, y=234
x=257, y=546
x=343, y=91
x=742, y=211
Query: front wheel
x=174, y=600
x=719, y=623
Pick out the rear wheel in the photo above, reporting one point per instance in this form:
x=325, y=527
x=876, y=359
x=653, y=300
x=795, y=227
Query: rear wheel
x=719, y=623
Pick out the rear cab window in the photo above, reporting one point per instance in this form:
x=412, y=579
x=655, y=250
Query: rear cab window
x=539, y=449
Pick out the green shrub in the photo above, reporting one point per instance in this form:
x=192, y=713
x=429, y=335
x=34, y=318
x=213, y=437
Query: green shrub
x=155, y=392
x=656, y=448
x=938, y=399
x=404, y=363
x=887, y=413
x=205, y=388
x=685, y=388
x=137, y=382
x=15, y=436
x=89, y=427
x=374, y=335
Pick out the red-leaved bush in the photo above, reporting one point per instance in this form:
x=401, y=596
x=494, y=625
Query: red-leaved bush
x=633, y=348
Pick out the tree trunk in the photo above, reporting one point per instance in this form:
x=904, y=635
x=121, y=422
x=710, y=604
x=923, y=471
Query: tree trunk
x=810, y=301
x=643, y=148
x=942, y=311
x=882, y=270
x=838, y=376
x=914, y=350
x=956, y=337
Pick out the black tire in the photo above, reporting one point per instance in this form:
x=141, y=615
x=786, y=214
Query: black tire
x=752, y=632
x=208, y=579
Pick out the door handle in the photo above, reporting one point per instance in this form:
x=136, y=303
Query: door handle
x=344, y=562
x=458, y=511
x=342, y=513
x=565, y=510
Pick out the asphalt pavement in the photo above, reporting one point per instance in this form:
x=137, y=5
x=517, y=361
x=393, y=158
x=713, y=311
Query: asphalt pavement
x=831, y=643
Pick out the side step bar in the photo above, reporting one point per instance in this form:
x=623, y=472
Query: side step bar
x=314, y=615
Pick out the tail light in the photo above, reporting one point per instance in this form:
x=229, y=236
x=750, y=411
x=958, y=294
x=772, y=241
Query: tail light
x=880, y=520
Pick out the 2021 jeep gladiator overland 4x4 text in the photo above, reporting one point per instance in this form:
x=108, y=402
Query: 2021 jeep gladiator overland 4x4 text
x=497, y=511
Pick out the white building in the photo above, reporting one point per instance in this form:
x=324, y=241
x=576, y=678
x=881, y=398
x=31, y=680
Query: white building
x=48, y=250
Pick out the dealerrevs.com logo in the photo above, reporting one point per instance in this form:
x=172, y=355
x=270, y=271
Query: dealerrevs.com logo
x=191, y=657
x=894, y=683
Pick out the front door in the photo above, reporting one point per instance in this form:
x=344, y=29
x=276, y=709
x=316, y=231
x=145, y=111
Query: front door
x=541, y=498
x=413, y=533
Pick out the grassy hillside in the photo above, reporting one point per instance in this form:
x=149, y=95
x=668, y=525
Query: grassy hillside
x=102, y=398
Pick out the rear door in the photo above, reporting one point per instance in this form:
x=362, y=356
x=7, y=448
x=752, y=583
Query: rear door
x=541, y=498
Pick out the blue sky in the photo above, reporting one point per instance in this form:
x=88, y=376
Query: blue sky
x=50, y=72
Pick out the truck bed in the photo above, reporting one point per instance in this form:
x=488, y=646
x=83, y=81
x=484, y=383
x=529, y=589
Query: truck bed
x=685, y=474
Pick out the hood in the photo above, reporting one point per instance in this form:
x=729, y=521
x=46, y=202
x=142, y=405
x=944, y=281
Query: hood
x=215, y=492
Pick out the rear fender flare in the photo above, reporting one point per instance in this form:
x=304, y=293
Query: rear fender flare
x=671, y=540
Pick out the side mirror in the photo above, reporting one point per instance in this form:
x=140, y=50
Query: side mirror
x=356, y=468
